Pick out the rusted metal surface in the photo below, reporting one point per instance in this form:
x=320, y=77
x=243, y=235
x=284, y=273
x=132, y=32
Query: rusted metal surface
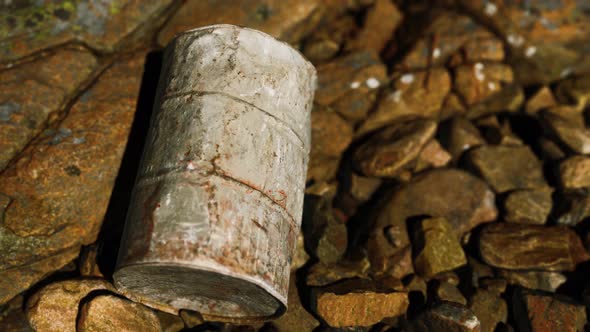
x=218, y=201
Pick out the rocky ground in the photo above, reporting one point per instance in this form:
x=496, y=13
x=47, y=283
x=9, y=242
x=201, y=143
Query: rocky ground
x=448, y=187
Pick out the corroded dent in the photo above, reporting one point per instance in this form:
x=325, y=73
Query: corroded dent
x=218, y=200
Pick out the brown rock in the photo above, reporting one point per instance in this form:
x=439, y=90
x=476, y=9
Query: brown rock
x=412, y=95
x=479, y=81
x=327, y=39
x=87, y=262
x=433, y=155
x=463, y=135
x=495, y=285
x=296, y=318
x=59, y=191
x=437, y=248
x=322, y=169
x=575, y=90
x=326, y=237
x=445, y=291
x=489, y=308
x=55, y=306
x=483, y=49
x=577, y=208
x=393, y=148
x=13, y=318
x=51, y=83
x=478, y=271
x=191, y=318
x=330, y=134
x=362, y=188
x=542, y=99
x=574, y=172
x=520, y=247
x=286, y=20
x=360, y=308
x=321, y=274
x=381, y=21
x=104, y=26
x=545, y=313
x=448, y=277
x=528, y=206
x=570, y=133
x=111, y=313
x=539, y=280
x=507, y=167
x=169, y=322
x=452, y=106
x=349, y=84
x=508, y=99
x=550, y=150
x=447, y=317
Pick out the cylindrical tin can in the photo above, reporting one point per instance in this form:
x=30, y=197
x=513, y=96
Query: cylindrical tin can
x=218, y=199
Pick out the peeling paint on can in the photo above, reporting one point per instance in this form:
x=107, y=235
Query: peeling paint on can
x=217, y=205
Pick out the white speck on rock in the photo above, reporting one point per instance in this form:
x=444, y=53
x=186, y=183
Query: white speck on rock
x=565, y=72
x=373, y=83
x=515, y=40
x=479, y=75
x=472, y=322
x=407, y=78
x=530, y=51
x=492, y=86
x=355, y=85
x=490, y=9
x=396, y=96
x=436, y=53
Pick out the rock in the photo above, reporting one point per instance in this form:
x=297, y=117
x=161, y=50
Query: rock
x=286, y=20
x=447, y=317
x=570, y=133
x=479, y=81
x=520, y=247
x=489, y=308
x=103, y=26
x=169, y=322
x=321, y=274
x=111, y=313
x=322, y=169
x=501, y=134
x=469, y=204
x=191, y=318
x=327, y=40
x=360, y=308
x=550, y=150
x=462, y=136
x=436, y=248
x=542, y=99
x=574, y=172
x=296, y=318
x=433, y=155
x=386, y=153
x=362, y=188
x=539, y=280
x=349, y=84
x=330, y=134
x=495, y=285
x=13, y=318
x=576, y=209
x=478, y=271
x=507, y=168
x=51, y=82
x=300, y=257
x=87, y=262
x=508, y=99
x=528, y=206
x=55, y=306
x=452, y=106
x=380, y=22
x=575, y=90
x=412, y=95
x=445, y=291
x=448, y=277
x=536, y=312
x=327, y=237
x=57, y=194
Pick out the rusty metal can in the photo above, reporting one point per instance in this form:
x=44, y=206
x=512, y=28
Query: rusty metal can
x=218, y=199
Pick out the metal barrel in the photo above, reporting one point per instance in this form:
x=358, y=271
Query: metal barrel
x=218, y=199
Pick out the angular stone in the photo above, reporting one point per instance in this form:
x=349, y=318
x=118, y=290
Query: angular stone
x=575, y=90
x=520, y=247
x=437, y=248
x=448, y=317
x=326, y=237
x=191, y=318
x=349, y=84
x=393, y=148
x=462, y=136
x=508, y=99
x=445, y=291
x=433, y=155
x=507, y=167
x=111, y=313
x=480, y=81
x=361, y=308
x=326, y=41
x=576, y=209
x=286, y=20
x=296, y=318
x=105, y=26
x=412, y=95
x=470, y=203
x=55, y=306
x=452, y=106
x=362, y=188
x=169, y=322
x=330, y=134
x=537, y=280
x=321, y=274
x=51, y=83
x=528, y=206
x=542, y=99
x=380, y=22
x=58, y=192
x=574, y=172
x=536, y=312
x=489, y=308
x=573, y=135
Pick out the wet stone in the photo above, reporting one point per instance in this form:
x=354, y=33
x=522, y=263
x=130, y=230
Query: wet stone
x=507, y=168
x=574, y=172
x=112, y=313
x=536, y=280
x=296, y=318
x=380, y=23
x=542, y=99
x=479, y=81
x=489, y=308
x=55, y=306
x=411, y=95
x=436, y=248
x=387, y=152
x=191, y=318
x=520, y=247
x=571, y=134
x=349, y=84
x=448, y=317
x=537, y=312
x=528, y=206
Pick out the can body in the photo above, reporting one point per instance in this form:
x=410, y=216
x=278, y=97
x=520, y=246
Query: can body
x=217, y=204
